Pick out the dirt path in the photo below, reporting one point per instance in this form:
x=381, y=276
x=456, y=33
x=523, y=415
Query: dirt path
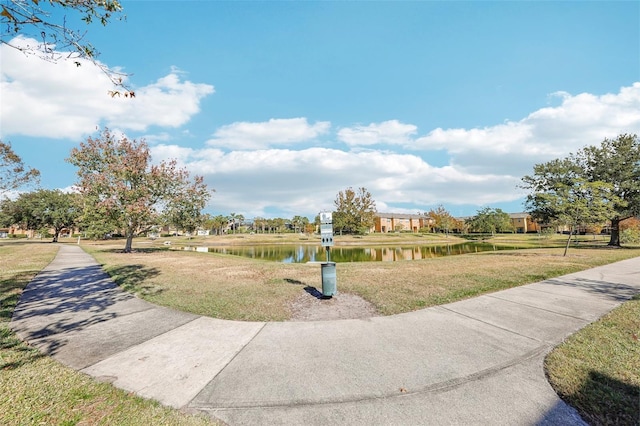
x=311, y=306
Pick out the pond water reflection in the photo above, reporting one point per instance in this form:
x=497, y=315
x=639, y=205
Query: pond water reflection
x=341, y=254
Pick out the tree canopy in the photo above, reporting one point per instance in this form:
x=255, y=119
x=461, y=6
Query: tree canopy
x=616, y=162
x=562, y=196
x=184, y=209
x=594, y=185
x=443, y=221
x=121, y=186
x=42, y=210
x=491, y=220
x=13, y=172
x=355, y=211
x=299, y=223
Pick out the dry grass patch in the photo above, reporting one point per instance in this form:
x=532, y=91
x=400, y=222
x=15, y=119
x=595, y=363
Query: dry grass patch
x=215, y=285
x=246, y=289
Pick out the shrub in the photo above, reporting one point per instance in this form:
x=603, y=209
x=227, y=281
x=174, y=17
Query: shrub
x=630, y=236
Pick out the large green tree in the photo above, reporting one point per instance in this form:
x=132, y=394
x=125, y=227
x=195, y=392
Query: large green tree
x=613, y=168
x=616, y=162
x=50, y=22
x=184, y=209
x=13, y=172
x=122, y=185
x=443, y=221
x=491, y=220
x=561, y=195
x=355, y=211
x=43, y=210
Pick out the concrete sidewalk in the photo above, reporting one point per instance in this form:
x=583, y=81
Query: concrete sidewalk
x=477, y=361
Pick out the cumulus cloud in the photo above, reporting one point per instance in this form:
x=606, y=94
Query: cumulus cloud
x=63, y=100
x=306, y=181
x=551, y=132
x=483, y=165
x=388, y=132
x=246, y=135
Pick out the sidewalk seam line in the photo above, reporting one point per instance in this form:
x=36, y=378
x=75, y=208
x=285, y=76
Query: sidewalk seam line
x=264, y=324
x=535, y=307
x=489, y=324
x=138, y=344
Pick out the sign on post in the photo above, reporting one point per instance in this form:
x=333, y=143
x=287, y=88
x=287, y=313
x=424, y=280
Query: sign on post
x=326, y=229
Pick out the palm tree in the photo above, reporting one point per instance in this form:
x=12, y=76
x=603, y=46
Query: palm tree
x=232, y=219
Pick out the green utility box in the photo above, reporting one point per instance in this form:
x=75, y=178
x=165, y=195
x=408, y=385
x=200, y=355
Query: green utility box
x=328, y=279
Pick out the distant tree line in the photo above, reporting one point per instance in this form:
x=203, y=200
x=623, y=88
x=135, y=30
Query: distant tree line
x=236, y=223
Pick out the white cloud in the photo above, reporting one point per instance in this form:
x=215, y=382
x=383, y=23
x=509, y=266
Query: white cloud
x=484, y=166
x=388, y=132
x=62, y=100
x=246, y=135
x=267, y=168
x=169, y=102
x=552, y=132
x=307, y=181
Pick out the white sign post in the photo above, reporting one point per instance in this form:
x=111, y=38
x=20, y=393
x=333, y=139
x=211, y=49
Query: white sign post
x=328, y=268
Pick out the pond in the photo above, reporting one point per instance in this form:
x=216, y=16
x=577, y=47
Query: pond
x=312, y=253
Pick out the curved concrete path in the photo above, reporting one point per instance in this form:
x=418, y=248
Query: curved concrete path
x=478, y=361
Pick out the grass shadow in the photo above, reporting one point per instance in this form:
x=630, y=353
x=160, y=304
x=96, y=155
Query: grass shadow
x=135, y=278
x=14, y=352
x=10, y=291
x=610, y=290
x=136, y=250
x=603, y=400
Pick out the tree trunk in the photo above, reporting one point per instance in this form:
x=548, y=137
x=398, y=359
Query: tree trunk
x=129, y=243
x=568, y=240
x=615, y=232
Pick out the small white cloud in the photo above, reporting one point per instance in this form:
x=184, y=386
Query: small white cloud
x=170, y=152
x=388, y=132
x=169, y=102
x=283, y=131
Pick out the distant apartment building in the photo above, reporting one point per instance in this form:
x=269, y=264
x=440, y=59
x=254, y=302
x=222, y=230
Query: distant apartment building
x=523, y=223
x=399, y=222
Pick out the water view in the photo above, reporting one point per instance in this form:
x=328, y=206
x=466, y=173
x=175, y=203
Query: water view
x=341, y=254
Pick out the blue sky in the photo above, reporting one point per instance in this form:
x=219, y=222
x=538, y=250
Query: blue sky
x=281, y=105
